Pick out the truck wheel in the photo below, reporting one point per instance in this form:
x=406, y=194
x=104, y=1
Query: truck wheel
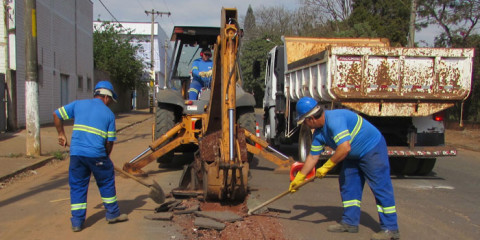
x=404, y=166
x=425, y=166
x=246, y=120
x=164, y=121
x=304, y=142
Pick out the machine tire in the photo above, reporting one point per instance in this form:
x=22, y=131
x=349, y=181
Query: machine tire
x=164, y=121
x=246, y=120
x=304, y=142
x=425, y=166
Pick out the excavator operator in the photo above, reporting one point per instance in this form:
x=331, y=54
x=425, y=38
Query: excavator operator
x=202, y=74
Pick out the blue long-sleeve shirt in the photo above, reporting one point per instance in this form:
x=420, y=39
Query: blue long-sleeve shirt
x=198, y=66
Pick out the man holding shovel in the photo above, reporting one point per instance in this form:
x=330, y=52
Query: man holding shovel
x=92, y=142
x=363, y=151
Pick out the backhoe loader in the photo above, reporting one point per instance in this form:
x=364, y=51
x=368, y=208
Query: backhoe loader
x=217, y=127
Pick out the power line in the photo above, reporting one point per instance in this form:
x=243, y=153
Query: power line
x=109, y=12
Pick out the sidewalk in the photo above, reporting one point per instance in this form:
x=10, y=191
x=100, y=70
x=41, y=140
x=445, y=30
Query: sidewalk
x=13, y=144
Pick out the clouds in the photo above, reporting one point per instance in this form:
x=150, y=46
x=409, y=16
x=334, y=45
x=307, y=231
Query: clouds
x=184, y=12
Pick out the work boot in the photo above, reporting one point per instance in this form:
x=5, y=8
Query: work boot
x=121, y=218
x=77, y=229
x=342, y=227
x=386, y=235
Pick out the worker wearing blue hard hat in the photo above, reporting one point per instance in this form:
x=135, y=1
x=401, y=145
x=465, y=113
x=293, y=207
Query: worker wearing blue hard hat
x=93, y=136
x=363, y=151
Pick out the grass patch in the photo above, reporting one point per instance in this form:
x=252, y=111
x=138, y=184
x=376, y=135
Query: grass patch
x=59, y=155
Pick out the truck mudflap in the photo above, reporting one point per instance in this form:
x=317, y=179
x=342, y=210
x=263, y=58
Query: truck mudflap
x=420, y=152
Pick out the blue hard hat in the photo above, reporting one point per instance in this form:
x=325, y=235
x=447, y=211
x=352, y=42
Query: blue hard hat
x=306, y=107
x=105, y=85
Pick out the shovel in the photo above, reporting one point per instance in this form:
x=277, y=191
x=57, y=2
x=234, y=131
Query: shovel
x=250, y=212
x=156, y=192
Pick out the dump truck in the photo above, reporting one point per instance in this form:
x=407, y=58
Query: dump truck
x=217, y=130
x=402, y=91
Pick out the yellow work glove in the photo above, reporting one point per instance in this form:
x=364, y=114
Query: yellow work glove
x=322, y=171
x=299, y=178
x=202, y=74
x=208, y=73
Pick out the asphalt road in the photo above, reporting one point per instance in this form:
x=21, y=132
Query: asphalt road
x=441, y=206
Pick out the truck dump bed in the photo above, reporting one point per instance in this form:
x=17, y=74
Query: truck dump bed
x=370, y=77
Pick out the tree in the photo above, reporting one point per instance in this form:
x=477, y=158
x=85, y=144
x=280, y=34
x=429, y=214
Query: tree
x=113, y=53
x=387, y=18
x=252, y=63
x=336, y=11
x=249, y=26
x=457, y=18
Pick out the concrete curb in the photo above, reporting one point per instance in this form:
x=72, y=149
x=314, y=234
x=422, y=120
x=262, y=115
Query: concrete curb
x=33, y=166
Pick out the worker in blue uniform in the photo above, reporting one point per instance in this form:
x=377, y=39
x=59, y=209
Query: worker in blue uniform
x=363, y=151
x=201, y=74
x=92, y=142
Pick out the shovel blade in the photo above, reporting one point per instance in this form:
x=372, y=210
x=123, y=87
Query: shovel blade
x=156, y=193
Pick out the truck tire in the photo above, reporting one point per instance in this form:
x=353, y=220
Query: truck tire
x=246, y=120
x=304, y=142
x=425, y=166
x=404, y=166
x=164, y=121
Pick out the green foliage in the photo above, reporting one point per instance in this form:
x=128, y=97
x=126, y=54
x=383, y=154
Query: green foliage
x=457, y=19
x=114, y=53
x=358, y=30
x=59, y=155
x=387, y=18
x=253, y=57
x=249, y=26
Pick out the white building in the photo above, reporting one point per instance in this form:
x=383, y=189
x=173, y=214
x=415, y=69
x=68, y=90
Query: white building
x=65, y=56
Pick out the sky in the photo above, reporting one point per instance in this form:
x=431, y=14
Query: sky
x=183, y=12
x=197, y=12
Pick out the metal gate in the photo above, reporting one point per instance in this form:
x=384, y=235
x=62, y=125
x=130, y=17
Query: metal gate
x=3, y=117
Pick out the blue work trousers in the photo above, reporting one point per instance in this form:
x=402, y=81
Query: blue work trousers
x=375, y=168
x=194, y=90
x=79, y=177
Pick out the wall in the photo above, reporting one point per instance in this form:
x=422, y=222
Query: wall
x=64, y=47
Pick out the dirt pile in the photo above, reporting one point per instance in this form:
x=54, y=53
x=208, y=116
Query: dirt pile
x=246, y=227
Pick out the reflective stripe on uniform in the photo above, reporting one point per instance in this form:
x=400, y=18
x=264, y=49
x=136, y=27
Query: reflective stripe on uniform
x=316, y=148
x=63, y=113
x=341, y=135
x=109, y=200
x=193, y=90
x=357, y=127
x=78, y=206
x=386, y=210
x=195, y=67
x=352, y=203
x=111, y=134
x=85, y=128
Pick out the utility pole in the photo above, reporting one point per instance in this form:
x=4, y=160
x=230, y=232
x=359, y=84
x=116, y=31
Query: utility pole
x=31, y=81
x=166, y=69
x=413, y=15
x=153, y=82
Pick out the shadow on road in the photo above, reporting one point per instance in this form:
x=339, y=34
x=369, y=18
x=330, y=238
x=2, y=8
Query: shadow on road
x=58, y=182
x=331, y=214
x=126, y=206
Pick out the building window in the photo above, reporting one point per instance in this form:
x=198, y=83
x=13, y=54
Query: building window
x=80, y=83
x=89, y=84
